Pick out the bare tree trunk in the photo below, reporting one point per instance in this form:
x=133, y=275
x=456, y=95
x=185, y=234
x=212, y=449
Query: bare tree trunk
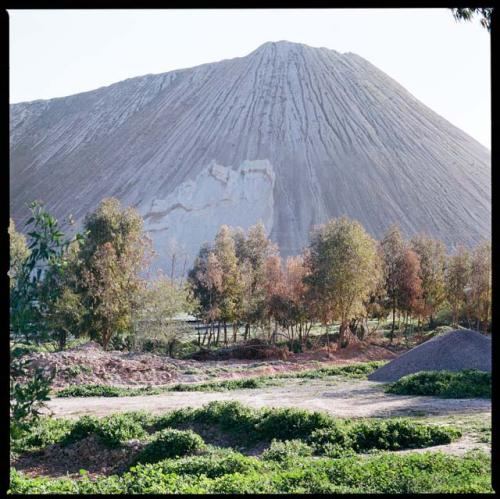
x=62, y=339
x=218, y=334
x=225, y=333
x=345, y=334
x=210, y=336
x=393, y=319
x=235, y=328
x=106, y=336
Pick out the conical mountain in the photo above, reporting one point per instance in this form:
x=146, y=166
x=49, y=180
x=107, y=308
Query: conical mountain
x=290, y=135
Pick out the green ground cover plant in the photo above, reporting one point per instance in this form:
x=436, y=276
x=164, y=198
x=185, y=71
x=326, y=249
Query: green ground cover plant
x=169, y=443
x=308, y=452
x=350, y=371
x=322, y=432
x=468, y=383
x=235, y=473
x=111, y=430
x=115, y=391
x=317, y=429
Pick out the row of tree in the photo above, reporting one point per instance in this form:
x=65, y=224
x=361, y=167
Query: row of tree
x=343, y=276
x=97, y=284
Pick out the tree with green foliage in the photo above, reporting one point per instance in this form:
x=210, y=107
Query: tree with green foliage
x=478, y=293
x=392, y=250
x=342, y=272
x=457, y=278
x=410, y=286
x=19, y=253
x=205, y=282
x=467, y=14
x=231, y=289
x=432, y=254
x=28, y=394
x=114, y=253
x=154, y=319
x=252, y=250
x=48, y=253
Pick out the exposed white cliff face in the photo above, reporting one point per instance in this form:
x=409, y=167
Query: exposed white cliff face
x=343, y=138
x=193, y=212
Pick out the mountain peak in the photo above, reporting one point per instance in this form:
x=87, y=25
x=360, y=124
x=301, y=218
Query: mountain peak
x=281, y=45
x=298, y=135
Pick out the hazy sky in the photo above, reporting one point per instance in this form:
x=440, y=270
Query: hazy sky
x=443, y=63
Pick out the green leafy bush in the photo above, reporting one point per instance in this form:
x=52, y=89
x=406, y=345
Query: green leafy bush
x=215, y=462
x=283, y=451
x=85, y=426
x=111, y=430
x=334, y=441
x=28, y=393
x=366, y=435
x=106, y=391
x=45, y=431
x=327, y=435
x=290, y=423
x=468, y=383
x=170, y=443
x=399, y=434
x=360, y=370
x=384, y=473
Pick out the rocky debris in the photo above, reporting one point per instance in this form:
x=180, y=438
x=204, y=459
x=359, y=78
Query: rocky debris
x=453, y=351
x=90, y=364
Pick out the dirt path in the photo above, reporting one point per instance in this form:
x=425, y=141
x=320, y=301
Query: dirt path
x=351, y=398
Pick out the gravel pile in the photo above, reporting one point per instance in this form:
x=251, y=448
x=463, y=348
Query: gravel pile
x=452, y=351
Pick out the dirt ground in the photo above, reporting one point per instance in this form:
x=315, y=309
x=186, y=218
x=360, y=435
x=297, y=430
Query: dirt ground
x=90, y=364
x=346, y=398
x=342, y=398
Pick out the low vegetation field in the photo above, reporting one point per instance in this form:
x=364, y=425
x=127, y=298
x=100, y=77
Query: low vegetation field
x=226, y=447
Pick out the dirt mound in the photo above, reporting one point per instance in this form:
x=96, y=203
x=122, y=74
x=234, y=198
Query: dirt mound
x=89, y=364
x=453, y=351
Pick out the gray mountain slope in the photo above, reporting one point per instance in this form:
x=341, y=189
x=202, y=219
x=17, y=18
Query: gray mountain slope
x=290, y=135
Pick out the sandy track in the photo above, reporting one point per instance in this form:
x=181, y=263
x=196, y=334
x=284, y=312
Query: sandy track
x=341, y=398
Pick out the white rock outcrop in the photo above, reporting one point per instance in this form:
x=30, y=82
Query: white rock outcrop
x=194, y=211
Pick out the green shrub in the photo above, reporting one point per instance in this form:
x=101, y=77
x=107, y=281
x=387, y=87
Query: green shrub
x=216, y=462
x=170, y=443
x=468, y=383
x=429, y=472
x=282, y=451
x=399, y=434
x=118, y=428
x=365, y=435
x=74, y=371
x=333, y=441
x=111, y=430
x=327, y=435
x=360, y=370
x=45, y=431
x=290, y=423
x=82, y=428
x=106, y=391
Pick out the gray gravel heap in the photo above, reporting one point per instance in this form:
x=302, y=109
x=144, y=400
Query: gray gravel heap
x=452, y=351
